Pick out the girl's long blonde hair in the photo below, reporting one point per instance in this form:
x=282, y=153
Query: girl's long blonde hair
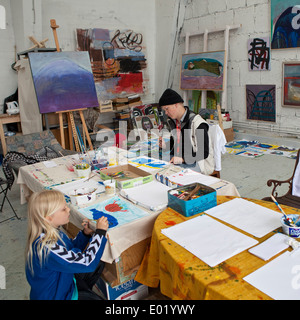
x=42, y=204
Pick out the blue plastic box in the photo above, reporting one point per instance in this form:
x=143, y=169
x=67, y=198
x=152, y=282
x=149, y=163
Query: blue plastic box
x=206, y=200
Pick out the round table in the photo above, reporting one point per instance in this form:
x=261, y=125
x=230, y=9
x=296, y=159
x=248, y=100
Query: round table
x=183, y=276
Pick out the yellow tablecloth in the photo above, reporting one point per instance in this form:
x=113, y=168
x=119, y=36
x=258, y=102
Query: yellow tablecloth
x=183, y=276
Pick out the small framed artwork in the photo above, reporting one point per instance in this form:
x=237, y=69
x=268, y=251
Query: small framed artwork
x=291, y=84
x=260, y=102
x=202, y=71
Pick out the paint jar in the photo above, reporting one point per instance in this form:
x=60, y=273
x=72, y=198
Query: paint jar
x=82, y=170
x=110, y=186
x=293, y=232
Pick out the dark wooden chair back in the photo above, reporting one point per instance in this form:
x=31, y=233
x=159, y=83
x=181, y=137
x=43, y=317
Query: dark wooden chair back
x=288, y=198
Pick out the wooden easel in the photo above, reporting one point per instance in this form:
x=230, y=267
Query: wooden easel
x=71, y=123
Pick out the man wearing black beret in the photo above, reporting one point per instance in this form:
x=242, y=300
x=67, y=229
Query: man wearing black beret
x=190, y=145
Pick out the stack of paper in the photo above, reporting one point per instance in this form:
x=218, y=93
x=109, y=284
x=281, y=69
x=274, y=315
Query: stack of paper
x=272, y=246
x=208, y=239
x=188, y=176
x=152, y=195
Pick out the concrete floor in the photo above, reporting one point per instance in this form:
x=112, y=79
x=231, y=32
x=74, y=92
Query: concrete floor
x=248, y=175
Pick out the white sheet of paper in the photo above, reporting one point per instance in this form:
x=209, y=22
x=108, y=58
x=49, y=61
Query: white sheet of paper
x=50, y=164
x=188, y=176
x=209, y=240
x=152, y=195
x=269, y=248
x=247, y=216
x=279, y=279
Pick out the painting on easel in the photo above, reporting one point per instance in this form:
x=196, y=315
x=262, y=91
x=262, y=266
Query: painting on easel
x=63, y=81
x=118, y=60
x=202, y=71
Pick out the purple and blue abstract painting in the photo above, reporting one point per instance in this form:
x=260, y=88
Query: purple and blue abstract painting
x=63, y=81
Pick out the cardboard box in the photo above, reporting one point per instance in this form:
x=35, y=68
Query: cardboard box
x=229, y=134
x=206, y=200
x=130, y=290
x=126, y=266
x=133, y=176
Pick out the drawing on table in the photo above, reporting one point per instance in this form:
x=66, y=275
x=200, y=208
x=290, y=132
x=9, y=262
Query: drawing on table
x=117, y=211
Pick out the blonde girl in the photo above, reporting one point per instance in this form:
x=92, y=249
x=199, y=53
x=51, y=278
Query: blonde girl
x=57, y=267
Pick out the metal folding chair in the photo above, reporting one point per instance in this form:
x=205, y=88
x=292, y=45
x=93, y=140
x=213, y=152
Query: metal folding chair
x=4, y=189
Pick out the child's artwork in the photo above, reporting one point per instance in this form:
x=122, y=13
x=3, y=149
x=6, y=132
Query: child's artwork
x=63, y=81
x=202, y=71
x=259, y=54
x=148, y=164
x=291, y=84
x=118, y=60
x=117, y=211
x=285, y=31
x=260, y=101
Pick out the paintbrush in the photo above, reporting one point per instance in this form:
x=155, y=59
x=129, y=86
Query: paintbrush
x=287, y=220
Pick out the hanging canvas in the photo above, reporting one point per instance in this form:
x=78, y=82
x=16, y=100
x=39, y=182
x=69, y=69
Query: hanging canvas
x=259, y=54
x=285, y=24
x=291, y=84
x=63, y=81
x=202, y=71
x=260, y=102
x=118, y=60
x=117, y=211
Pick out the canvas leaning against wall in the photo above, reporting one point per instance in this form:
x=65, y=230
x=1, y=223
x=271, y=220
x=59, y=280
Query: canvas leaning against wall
x=202, y=71
x=291, y=84
x=118, y=60
x=285, y=24
x=63, y=81
x=260, y=102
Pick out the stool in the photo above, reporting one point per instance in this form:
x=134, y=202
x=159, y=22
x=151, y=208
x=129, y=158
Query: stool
x=4, y=189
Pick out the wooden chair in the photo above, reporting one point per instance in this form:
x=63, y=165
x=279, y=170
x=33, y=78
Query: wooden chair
x=216, y=174
x=288, y=198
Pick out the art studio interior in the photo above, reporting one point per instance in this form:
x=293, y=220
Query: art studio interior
x=149, y=150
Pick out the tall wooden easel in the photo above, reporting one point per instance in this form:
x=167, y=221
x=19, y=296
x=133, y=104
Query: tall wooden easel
x=71, y=123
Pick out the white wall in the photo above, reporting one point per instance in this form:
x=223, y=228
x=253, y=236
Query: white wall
x=32, y=17
x=158, y=20
x=254, y=15
x=8, y=79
